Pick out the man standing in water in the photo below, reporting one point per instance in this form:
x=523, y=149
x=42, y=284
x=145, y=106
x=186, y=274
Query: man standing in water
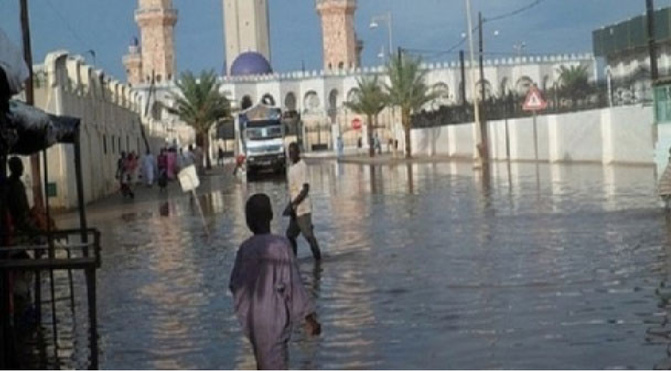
x=268, y=293
x=300, y=207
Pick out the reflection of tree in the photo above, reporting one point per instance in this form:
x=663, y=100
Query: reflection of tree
x=411, y=181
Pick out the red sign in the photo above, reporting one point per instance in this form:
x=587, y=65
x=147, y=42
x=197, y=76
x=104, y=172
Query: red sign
x=534, y=101
x=356, y=124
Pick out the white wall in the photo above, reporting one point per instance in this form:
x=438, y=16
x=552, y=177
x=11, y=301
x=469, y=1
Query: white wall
x=109, y=113
x=611, y=135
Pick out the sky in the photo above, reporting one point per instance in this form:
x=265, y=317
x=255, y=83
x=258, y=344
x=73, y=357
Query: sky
x=426, y=27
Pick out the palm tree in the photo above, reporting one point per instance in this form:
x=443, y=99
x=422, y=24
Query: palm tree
x=369, y=99
x=574, y=82
x=408, y=90
x=200, y=105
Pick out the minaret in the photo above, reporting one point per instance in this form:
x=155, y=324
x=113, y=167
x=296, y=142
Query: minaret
x=133, y=63
x=338, y=35
x=156, y=20
x=246, y=28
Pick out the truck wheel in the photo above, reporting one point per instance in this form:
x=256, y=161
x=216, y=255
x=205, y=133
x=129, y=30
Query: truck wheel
x=251, y=174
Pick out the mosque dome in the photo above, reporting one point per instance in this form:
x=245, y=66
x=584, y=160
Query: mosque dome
x=250, y=63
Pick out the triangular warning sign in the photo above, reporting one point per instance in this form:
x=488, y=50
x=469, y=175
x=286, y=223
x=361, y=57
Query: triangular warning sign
x=534, y=101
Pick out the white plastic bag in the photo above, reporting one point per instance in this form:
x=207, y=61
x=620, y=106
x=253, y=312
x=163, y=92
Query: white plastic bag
x=11, y=60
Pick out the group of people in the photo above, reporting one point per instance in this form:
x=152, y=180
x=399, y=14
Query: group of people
x=161, y=169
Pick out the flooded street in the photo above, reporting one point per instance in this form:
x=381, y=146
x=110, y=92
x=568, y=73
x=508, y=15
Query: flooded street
x=555, y=266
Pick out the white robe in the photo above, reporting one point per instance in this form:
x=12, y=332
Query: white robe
x=148, y=168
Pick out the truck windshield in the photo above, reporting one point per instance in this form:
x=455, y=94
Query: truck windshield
x=261, y=132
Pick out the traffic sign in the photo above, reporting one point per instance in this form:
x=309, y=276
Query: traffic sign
x=356, y=124
x=534, y=101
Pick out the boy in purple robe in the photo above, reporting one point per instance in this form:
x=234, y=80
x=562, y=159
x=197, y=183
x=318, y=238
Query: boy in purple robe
x=268, y=293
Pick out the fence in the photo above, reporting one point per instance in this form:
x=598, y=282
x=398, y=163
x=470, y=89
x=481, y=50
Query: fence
x=596, y=96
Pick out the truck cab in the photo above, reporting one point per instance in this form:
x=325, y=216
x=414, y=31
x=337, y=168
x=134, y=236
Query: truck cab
x=261, y=136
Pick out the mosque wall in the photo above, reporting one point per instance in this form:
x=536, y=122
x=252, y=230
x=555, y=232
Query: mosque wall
x=622, y=135
x=110, y=123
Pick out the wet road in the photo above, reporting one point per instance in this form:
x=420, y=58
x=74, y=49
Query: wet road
x=555, y=266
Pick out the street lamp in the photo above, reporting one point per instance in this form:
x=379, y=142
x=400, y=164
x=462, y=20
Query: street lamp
x=374, y=23
x=520, y=48
x=381, y=53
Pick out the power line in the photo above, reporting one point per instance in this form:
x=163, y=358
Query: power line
x=452, y=48
x=67, y=25
x=514, y=12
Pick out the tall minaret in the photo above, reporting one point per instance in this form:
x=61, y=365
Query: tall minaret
x=338, y=35
x=156, y=20
x=246, y=28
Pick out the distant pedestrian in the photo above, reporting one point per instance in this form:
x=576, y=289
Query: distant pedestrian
x=239, y=163
x=300, y=205
x=269, y=295
x=198, y=158
x=340, y=145
x=377, y=144
x=124, y=176
x=162, y=164
x=171, y=169
x=148, y=168
x=220, y=157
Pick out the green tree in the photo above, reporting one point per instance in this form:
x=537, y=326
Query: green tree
x=369, y=100
x=200, y=104
x=574, y=83
x=408, y=90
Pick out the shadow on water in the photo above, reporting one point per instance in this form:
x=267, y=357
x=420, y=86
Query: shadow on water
x=425, y=266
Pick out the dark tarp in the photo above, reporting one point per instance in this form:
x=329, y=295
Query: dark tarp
x=32, y=130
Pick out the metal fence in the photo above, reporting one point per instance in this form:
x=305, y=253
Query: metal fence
x=510, y=106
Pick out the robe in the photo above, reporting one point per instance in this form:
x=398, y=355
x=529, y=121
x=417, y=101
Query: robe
x=269, y=297
x=148, y=166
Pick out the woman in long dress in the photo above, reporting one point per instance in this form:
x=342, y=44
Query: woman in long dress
x=148, y=166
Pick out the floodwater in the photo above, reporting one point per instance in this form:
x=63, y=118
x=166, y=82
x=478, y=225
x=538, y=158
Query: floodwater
x=426, y=266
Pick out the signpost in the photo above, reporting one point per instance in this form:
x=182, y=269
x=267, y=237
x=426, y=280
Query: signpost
x=534, y=102
x=356, y=124
x=189, y=181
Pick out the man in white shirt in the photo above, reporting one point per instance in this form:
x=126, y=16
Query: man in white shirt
x=300, y=207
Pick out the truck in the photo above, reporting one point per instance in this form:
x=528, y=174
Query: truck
x=261, y=140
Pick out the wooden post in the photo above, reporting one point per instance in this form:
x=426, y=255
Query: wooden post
x=30, y=100
x=535, y=139
x=652, y=47
x=484, y=141
x=93, y=317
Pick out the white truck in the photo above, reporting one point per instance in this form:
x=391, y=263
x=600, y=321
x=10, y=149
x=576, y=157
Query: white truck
x=261, y=136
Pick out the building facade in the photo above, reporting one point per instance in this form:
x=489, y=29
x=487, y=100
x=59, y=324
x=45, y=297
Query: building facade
x=246, y=29
x=153, y=58
x=339, y=40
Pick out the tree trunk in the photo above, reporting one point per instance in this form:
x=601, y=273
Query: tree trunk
x=371, y=148
x=206, y=152
x=405, y=117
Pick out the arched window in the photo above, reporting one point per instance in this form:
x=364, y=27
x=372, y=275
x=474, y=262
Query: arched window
x=311, y=101
x=290, y=101
x=268, y=99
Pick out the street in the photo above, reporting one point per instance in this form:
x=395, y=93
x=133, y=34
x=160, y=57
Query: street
x=555, y=266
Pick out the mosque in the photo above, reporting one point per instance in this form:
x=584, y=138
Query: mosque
x=316, y=97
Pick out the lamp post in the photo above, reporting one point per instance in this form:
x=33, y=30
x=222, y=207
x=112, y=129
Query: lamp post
x=374, y=23
x=520, y=48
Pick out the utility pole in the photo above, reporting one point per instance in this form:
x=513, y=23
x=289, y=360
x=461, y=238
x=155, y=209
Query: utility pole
x=652, y=48
x=476, y=110
x=484, y=143
x=30, y=100
x=462, y=67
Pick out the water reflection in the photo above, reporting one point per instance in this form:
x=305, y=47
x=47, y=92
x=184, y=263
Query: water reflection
x=425, y=266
